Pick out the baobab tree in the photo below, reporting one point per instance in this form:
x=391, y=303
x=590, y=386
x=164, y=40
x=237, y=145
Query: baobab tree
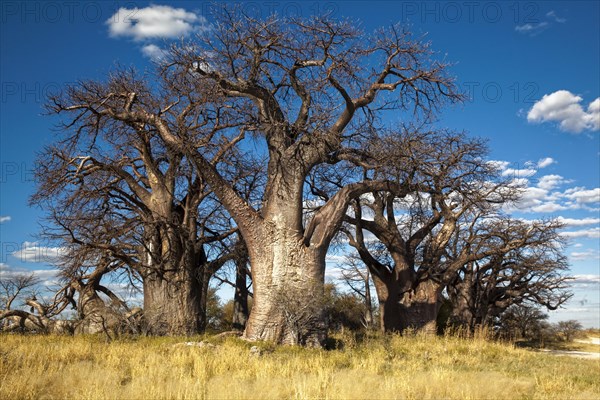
x=116, y=192
x=451, y=235
x=310, y=93
x=523, y=321
x=313, y=91
x=497, y=262
x=452, y=177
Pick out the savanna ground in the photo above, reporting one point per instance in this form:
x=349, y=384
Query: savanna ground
x=391, y=367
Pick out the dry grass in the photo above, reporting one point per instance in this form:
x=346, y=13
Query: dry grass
x=591, y=332
x=574, y=346
x=417, y=367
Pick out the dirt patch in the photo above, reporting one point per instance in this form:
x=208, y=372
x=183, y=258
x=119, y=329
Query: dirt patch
x=576, y=354
x=589, y=340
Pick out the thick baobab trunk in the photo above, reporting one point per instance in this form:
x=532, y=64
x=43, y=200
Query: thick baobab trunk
x=403, y=305
x=389, y=307
x=287, y=273
x=175, y=304
x=95, y=316
x=461, y=297
x=288, y=282
x=419, y=308
x=415, y=309
x=176, y=277
x=287, y=261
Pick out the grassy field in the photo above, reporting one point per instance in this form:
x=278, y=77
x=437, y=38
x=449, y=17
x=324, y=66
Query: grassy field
x=395, y=367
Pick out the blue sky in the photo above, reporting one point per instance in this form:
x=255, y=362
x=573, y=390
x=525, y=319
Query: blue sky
x=531, y=71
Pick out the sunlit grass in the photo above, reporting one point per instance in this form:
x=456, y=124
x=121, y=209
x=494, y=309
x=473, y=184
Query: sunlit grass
x=573, y=346
x=395, y=367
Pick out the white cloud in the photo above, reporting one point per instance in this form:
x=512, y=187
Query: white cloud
x=533, y=194
x=335, y=259
x=542, y=199
x=154, y=52
x=549, y=182
x=585, y=255
x=530, y=197
x=592, y=233
x=545, y=162
x=552, y=15
x=154, y=22
x=549, y=208
x=583, y=196
x=532, y=29
x=334, y=273
x=499, y=165
x=564, y=107
x=519, y=173
x=4, y=218
x=33, y=252
x=543, y=196
x=594, y=111
x=47, y=277
x=586, y=280
x=127, y=292
x=519, y=183
x=578, y=222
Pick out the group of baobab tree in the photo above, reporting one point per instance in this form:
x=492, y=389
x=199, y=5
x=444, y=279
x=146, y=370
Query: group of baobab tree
x=261, y=143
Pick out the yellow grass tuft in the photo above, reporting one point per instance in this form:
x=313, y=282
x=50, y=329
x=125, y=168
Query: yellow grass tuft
x=378, y=367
